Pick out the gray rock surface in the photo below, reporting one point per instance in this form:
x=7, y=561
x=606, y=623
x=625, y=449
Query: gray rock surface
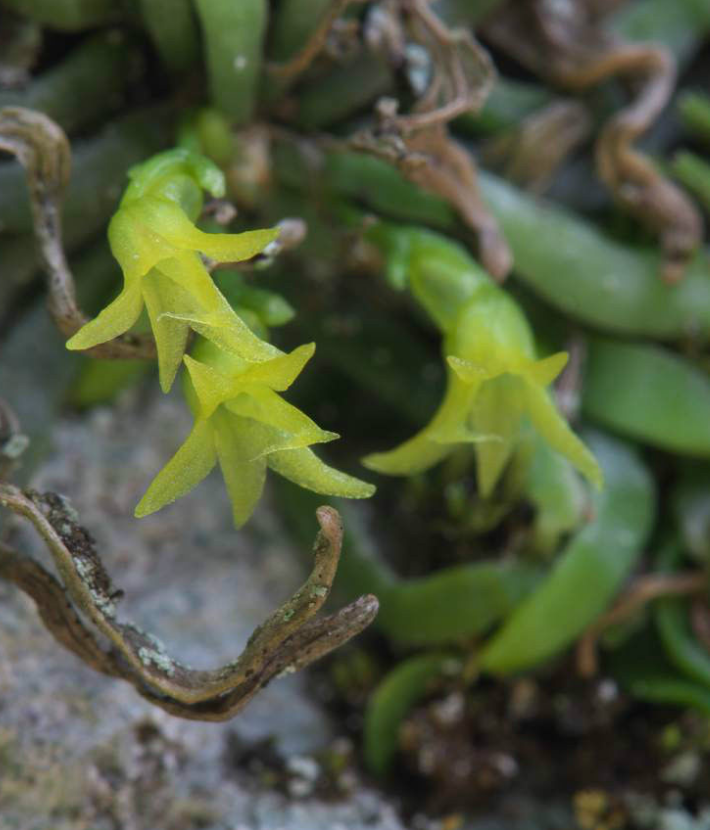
x=78, y=750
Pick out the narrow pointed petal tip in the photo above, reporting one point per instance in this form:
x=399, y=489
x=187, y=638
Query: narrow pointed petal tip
x=410, y=458
x=144, y=509
x=303, y=467
x=113, y=321
x=186, y=469
x=593, y=471
x=556, y=431
x=544, y=371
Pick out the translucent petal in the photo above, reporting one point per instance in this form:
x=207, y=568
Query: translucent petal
x=280, y=372
x=411, y=457
x=217, y=321
x=556, y=431
x=160, y=171
x=114, y=320
x=187, y=270
x=161, y=295
x=233, y=247
x=133, y=242
x=543, y=372
x=211, y=386
x=266, y=406
x=497, y=412
x=170, y=222
x=467, y=371
x=243, y=476
x=185, y=470
x=304, y=468
x=231, y=333
x=448, y=427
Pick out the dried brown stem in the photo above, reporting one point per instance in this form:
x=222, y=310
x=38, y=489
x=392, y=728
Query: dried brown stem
x=568, y=387
x=288, y=640
x=565, y=46
x=463, y=71
x=532, y=152
x=700, y=622
x=43, y=150
x=55, y=610
x=290, y=70
x=643, y=590
x=433, y=160
x=12, y=442
x=418, y=143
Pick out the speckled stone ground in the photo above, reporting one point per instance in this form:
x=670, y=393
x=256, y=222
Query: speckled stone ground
x=80, y=751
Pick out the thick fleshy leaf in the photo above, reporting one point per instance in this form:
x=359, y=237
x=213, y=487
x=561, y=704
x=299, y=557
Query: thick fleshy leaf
x=556, y=431
x=114, y=320
x=185, y=470
x=243, y=475
x=304, y=468
x=160, y=295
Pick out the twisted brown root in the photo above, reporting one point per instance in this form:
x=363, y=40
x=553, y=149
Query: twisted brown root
x=574, y=53
x=290, y=639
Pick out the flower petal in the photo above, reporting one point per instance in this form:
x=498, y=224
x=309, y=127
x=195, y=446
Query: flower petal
x=411, y=457
x=243, y=475
x=467, y=371
x=134, y=243
x=162, y=294
x=217, y=321
x=185, y=470
x=543, y=372
x=280, y=372
x=114, y=320
x=556, y=431
x=187, y=270
x=497, y=412
x=304, y=468
x=268, y=407
x=168, y=220
x=211, y=386
x=448, y=427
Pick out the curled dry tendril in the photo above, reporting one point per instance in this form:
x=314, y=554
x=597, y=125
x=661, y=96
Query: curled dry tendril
x=289, y=639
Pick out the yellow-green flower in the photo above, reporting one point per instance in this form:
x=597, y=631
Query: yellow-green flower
x=244, y=424
x=154, y=239
x=494, y=379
